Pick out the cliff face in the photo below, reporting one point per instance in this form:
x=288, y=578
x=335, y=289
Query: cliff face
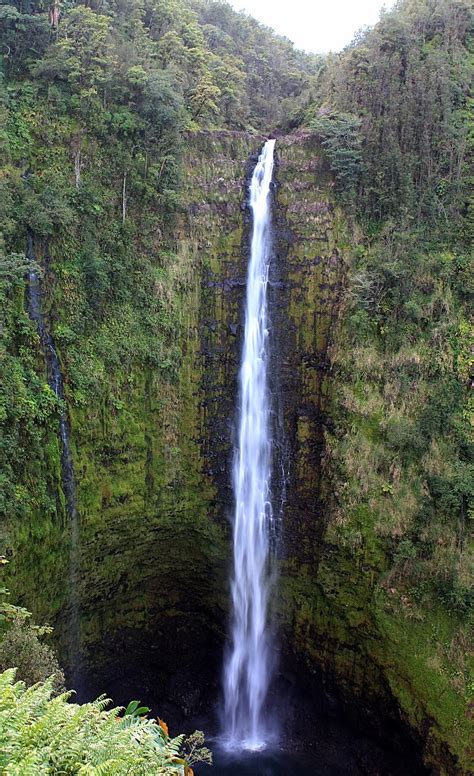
x=155, y=505
x=152, y=464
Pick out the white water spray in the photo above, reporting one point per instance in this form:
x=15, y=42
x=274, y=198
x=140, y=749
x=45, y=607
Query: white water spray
x=248, y=666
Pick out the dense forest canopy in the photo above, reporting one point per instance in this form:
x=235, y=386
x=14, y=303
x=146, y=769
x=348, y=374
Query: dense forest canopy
x=392, y=107
x=405, y=83
x=199, y=62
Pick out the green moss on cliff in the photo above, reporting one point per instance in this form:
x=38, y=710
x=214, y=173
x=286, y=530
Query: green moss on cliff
x=375, y=590
x=397, y=465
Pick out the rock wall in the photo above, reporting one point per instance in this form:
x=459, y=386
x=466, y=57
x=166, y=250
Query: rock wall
x=152, y=463
x=334, y=627
x=154, y=495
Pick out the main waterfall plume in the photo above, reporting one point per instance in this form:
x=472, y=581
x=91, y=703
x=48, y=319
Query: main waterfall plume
x=248, y=664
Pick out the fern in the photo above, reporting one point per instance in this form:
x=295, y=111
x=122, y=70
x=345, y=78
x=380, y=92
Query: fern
x=41, y=734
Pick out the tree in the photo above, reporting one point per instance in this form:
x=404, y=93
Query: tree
x=81, y=57
x=341, y=136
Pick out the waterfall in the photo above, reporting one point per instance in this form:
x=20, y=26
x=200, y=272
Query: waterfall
x=55, y=381
x=247, y=668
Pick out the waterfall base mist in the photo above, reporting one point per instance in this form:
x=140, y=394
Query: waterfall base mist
x=323, y=731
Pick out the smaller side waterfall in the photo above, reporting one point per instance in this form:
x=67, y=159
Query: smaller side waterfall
x=55, y=381
x=247, y=670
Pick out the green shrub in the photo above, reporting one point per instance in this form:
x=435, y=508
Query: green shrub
x=21, y=645
x=35, y=661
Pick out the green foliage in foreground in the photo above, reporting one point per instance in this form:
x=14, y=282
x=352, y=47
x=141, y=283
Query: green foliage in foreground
x=43, y=734
x=40, y=734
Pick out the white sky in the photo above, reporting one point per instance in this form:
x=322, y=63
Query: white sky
x=315, y=25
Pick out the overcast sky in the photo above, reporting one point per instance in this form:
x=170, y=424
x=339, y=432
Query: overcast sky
x=315, y=25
